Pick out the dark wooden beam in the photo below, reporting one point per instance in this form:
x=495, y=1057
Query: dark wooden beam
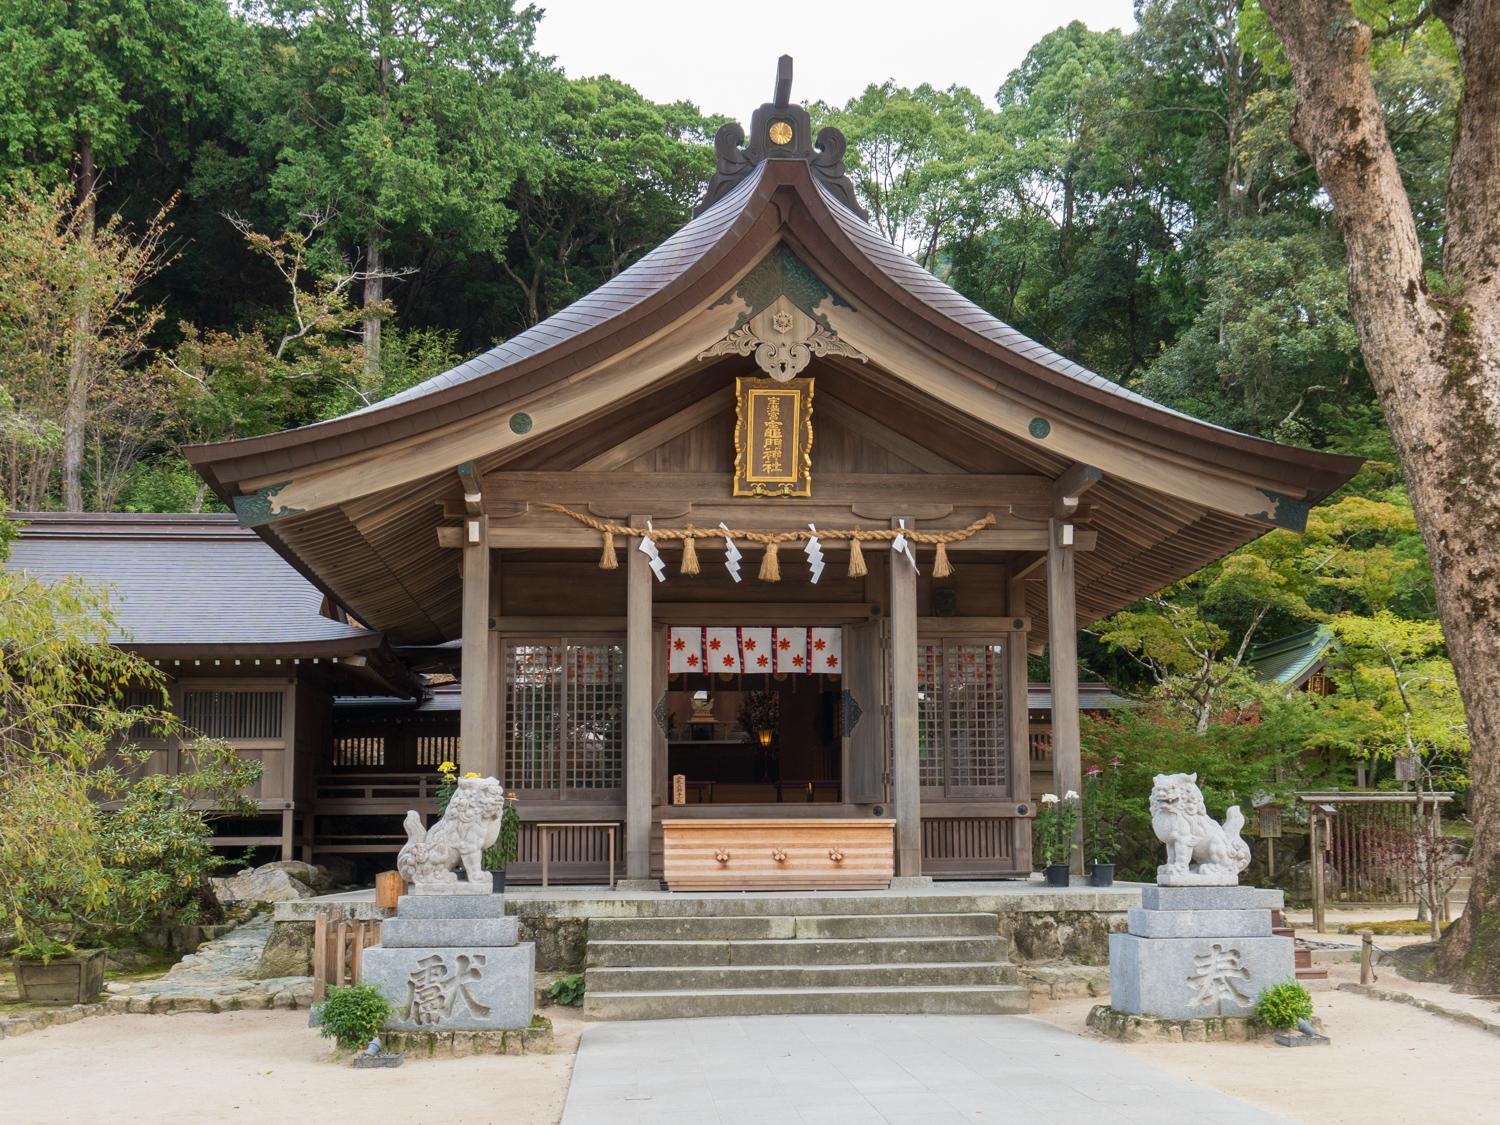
x=653, y=489
x=1069, y=487
x=468, y=476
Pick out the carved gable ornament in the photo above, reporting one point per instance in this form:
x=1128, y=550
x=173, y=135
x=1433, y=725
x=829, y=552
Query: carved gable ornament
x=783, y=339
x=781, y=326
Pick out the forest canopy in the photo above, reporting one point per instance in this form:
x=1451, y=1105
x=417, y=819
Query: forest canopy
x=222, y=220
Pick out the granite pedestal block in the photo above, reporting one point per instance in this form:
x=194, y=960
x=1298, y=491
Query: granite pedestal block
x=410, y=933
x=1211, y=898
x=1196, y=923
x=436, y=906
x=452, y=963
x=1193, y=952
x=451, y=988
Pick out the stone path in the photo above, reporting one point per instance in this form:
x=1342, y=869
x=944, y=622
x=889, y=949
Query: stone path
x=217, y=979
x=882, y=1070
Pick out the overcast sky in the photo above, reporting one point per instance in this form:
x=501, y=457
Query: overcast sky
x=722, y=56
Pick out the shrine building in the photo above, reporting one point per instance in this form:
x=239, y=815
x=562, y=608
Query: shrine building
x=756, y=536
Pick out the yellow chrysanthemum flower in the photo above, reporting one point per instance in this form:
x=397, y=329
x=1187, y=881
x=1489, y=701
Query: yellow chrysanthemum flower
x=447, y=767
x=471, y=773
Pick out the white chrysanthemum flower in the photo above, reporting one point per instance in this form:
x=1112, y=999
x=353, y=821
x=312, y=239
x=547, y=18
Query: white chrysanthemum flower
x=1049, y=798
x=1071, y=795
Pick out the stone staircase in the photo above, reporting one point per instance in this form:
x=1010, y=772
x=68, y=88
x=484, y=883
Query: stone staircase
x=1307, y=972
x=763, y=964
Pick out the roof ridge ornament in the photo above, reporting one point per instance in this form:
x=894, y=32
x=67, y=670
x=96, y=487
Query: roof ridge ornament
x=780, y=130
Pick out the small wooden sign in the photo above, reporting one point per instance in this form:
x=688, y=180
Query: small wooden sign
x=773, y=437
x=679, y=788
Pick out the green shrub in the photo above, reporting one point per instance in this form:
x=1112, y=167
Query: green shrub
x=507, y=845
x=1282, y=1005
x=157, y=846
x=353, y=1016
x=43, y=948
x=567, y=990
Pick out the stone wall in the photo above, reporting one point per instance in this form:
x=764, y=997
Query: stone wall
x=1045, y=927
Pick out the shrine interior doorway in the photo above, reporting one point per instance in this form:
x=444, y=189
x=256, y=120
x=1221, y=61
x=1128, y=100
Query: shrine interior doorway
x=754, y=739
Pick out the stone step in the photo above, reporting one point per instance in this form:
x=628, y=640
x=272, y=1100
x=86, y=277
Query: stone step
x=998, y=999
x=897, y=925
x=701, y=978
x=795, y=951
x=755, y=927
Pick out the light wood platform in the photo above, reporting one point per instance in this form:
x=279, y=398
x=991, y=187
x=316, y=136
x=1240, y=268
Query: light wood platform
x=783, y=854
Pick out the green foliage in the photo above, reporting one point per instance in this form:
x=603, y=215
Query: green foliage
x=1105, y=810
x=567, y=990
x=1054, y=826
x=1258, y=755
x=40, y=947
x=353, y=1015
x=507, y=845
x=157, y=847
x=1282, y=1005
x=65, y=734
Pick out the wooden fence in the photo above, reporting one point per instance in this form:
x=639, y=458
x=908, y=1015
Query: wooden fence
x=338, y=950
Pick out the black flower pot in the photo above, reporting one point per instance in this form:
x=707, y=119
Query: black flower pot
x=498, y=879
x=1057, y=875
x=1102, y=875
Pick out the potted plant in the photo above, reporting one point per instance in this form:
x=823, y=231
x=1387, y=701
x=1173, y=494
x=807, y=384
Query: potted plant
x=1055, y=825
x=506, y=846
x=49, y=971
x=1102, y=817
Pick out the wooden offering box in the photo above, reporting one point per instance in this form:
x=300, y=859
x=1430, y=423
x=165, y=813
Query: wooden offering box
x=776, y=855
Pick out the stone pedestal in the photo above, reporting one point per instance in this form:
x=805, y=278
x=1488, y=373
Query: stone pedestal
x=452, y=963
x=1193, y=952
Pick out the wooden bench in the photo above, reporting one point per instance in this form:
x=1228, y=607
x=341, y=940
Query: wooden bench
x=546, y=827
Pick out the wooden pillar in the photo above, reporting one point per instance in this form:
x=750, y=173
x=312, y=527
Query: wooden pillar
x=1062, y=652
x=479, y=751
x=494, y=714
x=1020, y=721
x=906, y=793
x=638, y=704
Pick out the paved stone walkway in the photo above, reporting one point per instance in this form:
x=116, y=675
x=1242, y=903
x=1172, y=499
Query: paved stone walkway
x=217, y=979
x=882, y=1070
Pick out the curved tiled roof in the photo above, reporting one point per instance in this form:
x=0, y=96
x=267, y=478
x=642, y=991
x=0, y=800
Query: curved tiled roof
x=615, y=297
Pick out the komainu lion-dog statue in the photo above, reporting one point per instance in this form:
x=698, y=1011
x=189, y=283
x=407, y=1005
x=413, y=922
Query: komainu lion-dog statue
x=471, y=824
x=1200, y=851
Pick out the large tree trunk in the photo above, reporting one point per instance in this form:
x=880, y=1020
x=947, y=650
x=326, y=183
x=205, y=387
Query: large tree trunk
x=374, y=294
x=76, y=394
x=1434, y=358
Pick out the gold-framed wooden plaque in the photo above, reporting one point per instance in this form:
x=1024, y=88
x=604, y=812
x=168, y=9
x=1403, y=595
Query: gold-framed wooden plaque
x=773, y=437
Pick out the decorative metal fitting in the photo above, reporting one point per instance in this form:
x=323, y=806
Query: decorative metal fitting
x=721, y=855
x=835, y=855
x=778, y=855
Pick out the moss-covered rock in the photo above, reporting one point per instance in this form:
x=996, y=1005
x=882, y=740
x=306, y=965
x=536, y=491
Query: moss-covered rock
x=1079, y=936
x=287, y=953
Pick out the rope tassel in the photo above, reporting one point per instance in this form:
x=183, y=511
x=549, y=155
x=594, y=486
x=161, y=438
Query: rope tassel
x=941, y=567
x=689, y=554
x=770, y=565
x=857, y=568
x=608, y=560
